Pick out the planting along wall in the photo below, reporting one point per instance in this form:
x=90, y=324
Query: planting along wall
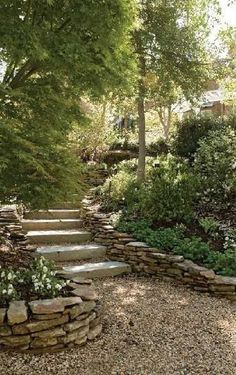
x=47, y=325
x=121, y=246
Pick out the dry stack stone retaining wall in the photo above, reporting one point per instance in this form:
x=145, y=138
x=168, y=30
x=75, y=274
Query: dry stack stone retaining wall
x=47, y=325
x=10, y=226
x=142, y=258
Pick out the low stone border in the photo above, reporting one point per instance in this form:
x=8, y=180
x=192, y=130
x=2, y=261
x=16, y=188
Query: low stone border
x=53, y=324
x=142, y=258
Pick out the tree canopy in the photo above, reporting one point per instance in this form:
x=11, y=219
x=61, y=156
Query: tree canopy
x=171, y=41
x=52, y=53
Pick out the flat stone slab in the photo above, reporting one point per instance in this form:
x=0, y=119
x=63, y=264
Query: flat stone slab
x=2, y=315
x=50, y=306
x=72, y=252
x=51, y=224
x=90, y=270
x=53, y=214
x=86, y=292
x=137, y=244
x=58, y=236
x=17, y=312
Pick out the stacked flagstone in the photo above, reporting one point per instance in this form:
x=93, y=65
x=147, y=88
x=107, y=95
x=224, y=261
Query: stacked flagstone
x=10, y=226
x=145, y=259
x=52, y=324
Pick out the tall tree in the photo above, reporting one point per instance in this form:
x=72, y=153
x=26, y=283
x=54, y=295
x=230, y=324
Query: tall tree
x=170, y=40
x=51, y=53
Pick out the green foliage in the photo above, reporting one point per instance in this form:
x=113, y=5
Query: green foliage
x=168, y=195
x=194, y=249
x=52, y=53
x=209, y=224
x=160, y=147
x=37, y=163
x=40, y=281
x=171, y=194
x=82, y=42
x=215, y=166
x=164, y=238
x=168, y=239
x=223, y=263
x=173, y=240
x=118, y=190
x=190, y=131
x=44, y=282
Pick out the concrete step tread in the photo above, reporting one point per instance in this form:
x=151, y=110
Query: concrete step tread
x=67, y=253
x=51, y=221
x=53, y=213
x=57, y=210
x=100, y=269
x=67, y=248
x=56, y=232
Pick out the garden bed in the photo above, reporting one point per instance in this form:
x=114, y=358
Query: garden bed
x=52, y=324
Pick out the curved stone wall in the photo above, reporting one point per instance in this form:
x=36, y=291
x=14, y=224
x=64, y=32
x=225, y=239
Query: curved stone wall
x=142, y=258
x=52, y=324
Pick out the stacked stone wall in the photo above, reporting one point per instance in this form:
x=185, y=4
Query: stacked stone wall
x=153, y=261
x=53, y=324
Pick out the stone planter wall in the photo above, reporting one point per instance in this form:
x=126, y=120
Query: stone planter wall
x=49, y=325
x=144, y=259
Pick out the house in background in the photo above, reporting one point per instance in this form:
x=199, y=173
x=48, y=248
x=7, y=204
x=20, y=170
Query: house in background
x=212, y=101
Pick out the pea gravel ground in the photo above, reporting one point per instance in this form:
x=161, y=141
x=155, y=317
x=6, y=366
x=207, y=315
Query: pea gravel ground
x=151, y=327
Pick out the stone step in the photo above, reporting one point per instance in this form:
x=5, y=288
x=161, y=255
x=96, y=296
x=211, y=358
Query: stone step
x=93, y=270
x=52, y=214
x=66, y=205
x=53, y=224
x=72, y=252
x=57, y=237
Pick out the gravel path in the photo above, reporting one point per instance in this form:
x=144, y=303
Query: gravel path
x=150, y=328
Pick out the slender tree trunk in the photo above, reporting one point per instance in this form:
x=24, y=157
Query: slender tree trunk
x=141, y=124
x=165, y=116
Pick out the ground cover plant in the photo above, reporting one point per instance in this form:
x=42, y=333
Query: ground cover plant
x=185, y=207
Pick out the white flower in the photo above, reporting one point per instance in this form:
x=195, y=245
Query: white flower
x=49, y=286
x=45, y=269
x=9, y=276
x=4, y=291
x=3, y=274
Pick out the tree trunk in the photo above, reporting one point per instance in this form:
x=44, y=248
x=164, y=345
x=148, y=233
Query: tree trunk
x=165, y=116
x=141, y=124
x=142, y=140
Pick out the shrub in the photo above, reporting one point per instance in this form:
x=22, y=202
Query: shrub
x=40, y=281
x=215, y=166
x=160, y=147
x=118, y=191
x=209, y=225
x=171, y=194
x=194, y=249
x=131, y=166
x=168, y=194
x=190, y=131
x=223, y=263
x=163, y=238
